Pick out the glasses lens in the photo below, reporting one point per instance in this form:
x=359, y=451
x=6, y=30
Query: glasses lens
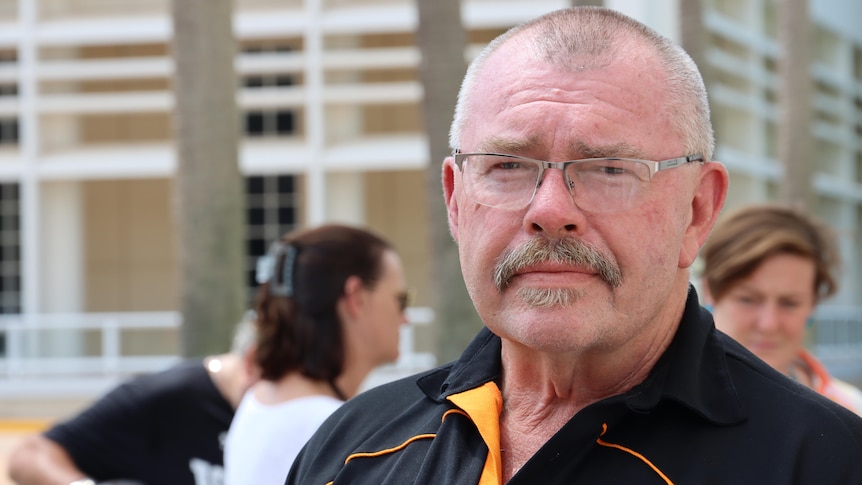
x=608, y=185
x=502, y=181
x=597, y=185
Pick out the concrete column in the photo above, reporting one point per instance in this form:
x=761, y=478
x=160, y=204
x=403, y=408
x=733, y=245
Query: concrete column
x=345, y=196
x=62, y=269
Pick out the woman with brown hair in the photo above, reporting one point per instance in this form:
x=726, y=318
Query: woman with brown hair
x=329, y=308
x=766, y=267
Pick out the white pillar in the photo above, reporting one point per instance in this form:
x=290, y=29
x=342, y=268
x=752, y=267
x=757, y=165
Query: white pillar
x=315, y=180
x=63, y=276
x=344, y=198
x=29, y=146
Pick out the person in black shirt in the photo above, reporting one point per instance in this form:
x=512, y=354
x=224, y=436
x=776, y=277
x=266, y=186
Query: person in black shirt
x=162, y=428
x=580, y=191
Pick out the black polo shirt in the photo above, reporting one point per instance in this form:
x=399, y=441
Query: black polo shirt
x=709, y=412
x=165, y=428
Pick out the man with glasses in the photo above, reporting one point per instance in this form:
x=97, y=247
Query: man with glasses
x=580, y=191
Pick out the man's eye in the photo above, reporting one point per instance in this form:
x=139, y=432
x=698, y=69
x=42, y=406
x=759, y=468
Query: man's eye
x=606, y=168
x=612, y=170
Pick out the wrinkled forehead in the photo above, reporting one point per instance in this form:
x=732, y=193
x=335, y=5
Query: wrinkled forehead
x=626, y=90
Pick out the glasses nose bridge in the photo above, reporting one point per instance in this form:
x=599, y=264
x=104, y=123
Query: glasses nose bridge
x=544, y=165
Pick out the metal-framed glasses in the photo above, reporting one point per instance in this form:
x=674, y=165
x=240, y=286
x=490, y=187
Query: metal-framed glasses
x=596, y=184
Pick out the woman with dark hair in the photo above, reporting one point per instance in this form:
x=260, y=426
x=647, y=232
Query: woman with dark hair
x=329, y=307
x=766, y=267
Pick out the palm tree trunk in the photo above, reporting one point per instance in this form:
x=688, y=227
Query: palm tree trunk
x=693, y=37
x=208, y=190
x=442, y=41
x=794, y=101
x=693, y=34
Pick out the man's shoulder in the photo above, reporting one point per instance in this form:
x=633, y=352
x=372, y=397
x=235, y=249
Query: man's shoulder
x=184, y=376
x=774, y=398
x=182, y=383
x=384, y=417
x=395, y=394
x=396, y=404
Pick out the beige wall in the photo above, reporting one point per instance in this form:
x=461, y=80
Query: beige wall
x=395, y=207
x=391, y=118
x=130, y=259
x=125, y=128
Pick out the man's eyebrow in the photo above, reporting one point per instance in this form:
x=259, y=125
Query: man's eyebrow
x=499, y=144
x=516, y=146
x=614, y=150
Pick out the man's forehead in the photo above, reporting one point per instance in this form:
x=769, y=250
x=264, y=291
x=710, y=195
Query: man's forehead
x=514, y=77
x=577, y=147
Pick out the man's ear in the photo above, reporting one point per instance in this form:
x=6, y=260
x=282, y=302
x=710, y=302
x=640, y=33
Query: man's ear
x=450, y=172
x=709, y=195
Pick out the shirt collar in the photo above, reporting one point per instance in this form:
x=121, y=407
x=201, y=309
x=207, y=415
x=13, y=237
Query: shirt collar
x=478, y=364
x=693, y=371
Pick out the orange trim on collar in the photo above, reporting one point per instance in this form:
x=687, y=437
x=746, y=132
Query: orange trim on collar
x=820, y=373
x=483, y=405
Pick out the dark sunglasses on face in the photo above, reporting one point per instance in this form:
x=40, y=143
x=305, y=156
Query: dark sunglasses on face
x=404, y=300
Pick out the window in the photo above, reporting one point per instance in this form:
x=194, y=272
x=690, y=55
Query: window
x=10, y=250
x=271, y=212
x=8, y=90
x=268, y=122
x=8, y=131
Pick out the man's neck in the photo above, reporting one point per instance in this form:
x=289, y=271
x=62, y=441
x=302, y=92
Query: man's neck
x=543, y=391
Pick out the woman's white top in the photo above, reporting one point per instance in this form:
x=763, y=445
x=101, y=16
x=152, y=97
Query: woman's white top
x=264, y=439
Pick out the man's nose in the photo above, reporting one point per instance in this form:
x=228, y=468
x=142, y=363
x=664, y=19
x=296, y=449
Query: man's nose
x=553, y=211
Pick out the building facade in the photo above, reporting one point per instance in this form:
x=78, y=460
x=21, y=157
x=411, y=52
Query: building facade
x=330, y=101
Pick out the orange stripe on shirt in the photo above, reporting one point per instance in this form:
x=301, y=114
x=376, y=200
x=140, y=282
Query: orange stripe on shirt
x=483, y=405
x=633, y=453
x=389, y=450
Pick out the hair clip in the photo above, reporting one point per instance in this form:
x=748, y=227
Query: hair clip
x=266, y=268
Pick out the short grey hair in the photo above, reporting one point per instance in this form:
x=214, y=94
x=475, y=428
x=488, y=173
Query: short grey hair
x=595, y=35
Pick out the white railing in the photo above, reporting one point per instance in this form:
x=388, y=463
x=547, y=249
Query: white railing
x=84, y=353
x=50, y=356
x=837, y=340
x=85, y=344
x=54, y=355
